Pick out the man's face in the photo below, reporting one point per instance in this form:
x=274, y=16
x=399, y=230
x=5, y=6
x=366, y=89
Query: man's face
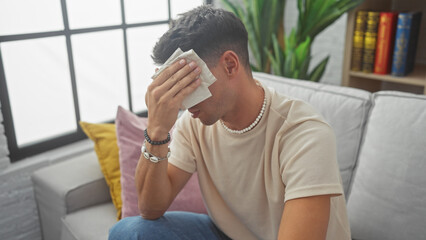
x=213, y=108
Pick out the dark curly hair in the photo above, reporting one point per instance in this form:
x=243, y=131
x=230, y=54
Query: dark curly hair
x=207, y=30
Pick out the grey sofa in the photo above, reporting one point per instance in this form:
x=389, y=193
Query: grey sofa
x=381, y=140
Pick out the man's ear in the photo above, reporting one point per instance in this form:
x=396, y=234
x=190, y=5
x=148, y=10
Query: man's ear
x=230, y=62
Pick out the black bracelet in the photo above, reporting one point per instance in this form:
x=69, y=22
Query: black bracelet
x=156, y=142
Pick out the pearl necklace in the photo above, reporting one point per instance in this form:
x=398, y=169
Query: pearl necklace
x=251, y=125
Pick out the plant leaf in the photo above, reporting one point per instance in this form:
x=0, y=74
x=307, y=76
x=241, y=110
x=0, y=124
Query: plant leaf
x=274, y=63
x=230, y=6
x=318, y=71
x=302, y=51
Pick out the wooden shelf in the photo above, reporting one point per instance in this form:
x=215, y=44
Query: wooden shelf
x=373, y=82
x=417, y=77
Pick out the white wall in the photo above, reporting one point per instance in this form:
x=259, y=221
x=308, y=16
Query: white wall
x=18, y=211
x=4, y=151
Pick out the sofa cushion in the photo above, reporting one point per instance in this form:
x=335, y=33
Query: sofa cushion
x=91, y=223
x=130, y=136
x=104, y=137
x=129, y=128
x=388, y=197
x=345, y=109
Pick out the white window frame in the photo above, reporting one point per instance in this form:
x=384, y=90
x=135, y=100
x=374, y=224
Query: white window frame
x=17, y=152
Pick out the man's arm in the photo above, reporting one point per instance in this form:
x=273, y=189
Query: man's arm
x=157, y=186
x=305, y=218
x=158, y=183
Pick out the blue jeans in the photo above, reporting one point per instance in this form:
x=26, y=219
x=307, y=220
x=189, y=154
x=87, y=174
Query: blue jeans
x=173, y=225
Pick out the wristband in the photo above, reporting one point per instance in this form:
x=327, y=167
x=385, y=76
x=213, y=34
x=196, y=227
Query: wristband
x=156, y=142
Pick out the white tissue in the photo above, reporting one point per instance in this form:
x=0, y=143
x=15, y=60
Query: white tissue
x=207, y=78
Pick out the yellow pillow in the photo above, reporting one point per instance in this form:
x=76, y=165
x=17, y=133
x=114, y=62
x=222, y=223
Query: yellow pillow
x=105, y=139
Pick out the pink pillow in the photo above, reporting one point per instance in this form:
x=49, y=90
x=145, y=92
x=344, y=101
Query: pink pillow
x=130, y=137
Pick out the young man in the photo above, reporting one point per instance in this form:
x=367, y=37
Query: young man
x=266, y=163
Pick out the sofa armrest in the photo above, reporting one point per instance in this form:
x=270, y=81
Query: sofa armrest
x=67, y=187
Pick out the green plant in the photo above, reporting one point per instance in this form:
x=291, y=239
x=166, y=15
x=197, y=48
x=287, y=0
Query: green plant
x=288, y=56
x=294, y=58
x=262, y=18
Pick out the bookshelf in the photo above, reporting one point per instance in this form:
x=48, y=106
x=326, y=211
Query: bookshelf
x=414, y=81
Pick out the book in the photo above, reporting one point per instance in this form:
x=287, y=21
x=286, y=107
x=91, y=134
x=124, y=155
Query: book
x=369, y=49
x=414, y=37
x=406, y=37
x=358, y=40
x=385, y=42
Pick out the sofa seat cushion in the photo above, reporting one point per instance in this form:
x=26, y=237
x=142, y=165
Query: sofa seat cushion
x=388, y=197
x=91, y=223
x=345, y=109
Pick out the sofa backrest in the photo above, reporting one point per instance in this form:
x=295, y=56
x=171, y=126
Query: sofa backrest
x=388, y=196
x=345, y=109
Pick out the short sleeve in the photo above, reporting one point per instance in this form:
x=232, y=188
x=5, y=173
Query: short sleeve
x=182, y=152
x=308, y=161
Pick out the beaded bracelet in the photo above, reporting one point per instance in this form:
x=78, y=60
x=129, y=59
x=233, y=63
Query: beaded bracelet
x=156, y=142
x=149, y=156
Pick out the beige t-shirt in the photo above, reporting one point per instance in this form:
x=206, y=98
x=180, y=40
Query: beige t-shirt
x=245, y=179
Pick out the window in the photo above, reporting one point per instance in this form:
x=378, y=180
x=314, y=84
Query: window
x=67, y=61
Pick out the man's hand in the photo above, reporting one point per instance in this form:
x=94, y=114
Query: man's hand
x=165, y=95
